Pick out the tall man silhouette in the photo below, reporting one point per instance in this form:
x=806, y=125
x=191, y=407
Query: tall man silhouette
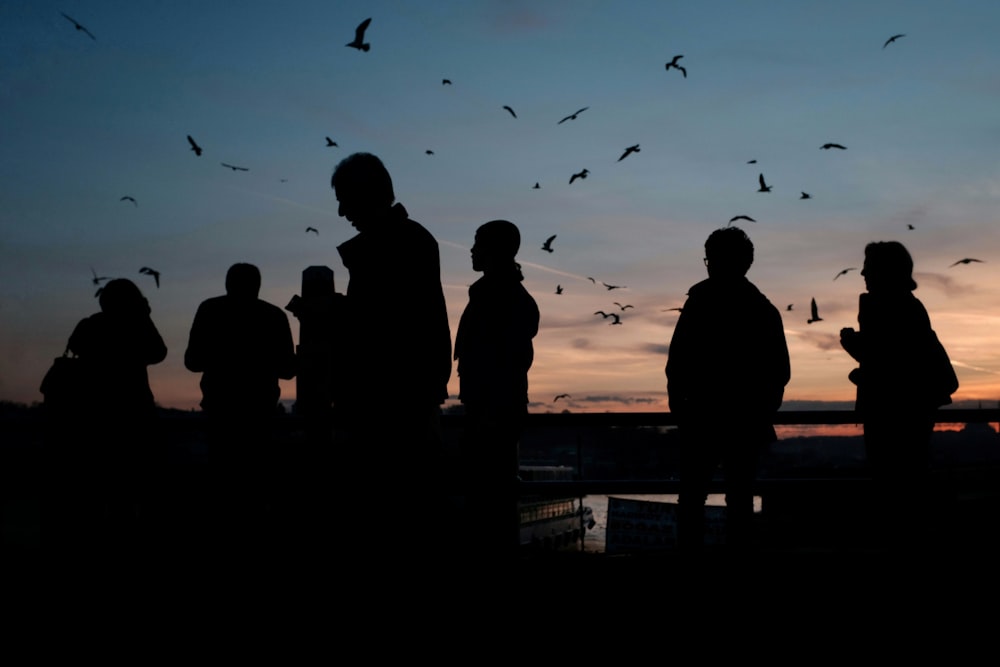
x=727, y=368
x=394, y=360
x=242, y=345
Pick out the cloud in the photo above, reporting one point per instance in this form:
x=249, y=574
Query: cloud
x=946, y=284
x=658, y=349
x=823, y=341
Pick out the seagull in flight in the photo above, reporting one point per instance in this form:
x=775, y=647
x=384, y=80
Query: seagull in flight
x=195, y=147
x=611, y=287
x=313, y=230
x=673, y=63
x=429, y=152
x=591, y=280
x=844, y=271
x=617, y=320
x=559, y=289
x=740, y=217
x=629, y=151
x=625, y=307
x=573, y=115
x=359, y=36
x=97, y=280
x=805, y=195
x=445, y=82
x=827, y=147
x=234, y=167
x=561, y=396
x=967, y=260
x=789, y=306
x=131, y=199
x=815, y=314
x=764, y=187
x=892, y=39
x=330, y=142
x=510, y=110
x=751, y=161
x=547, y=246
x=579, y=174
x=79, y=27
x=536, y=186
x=151, y=272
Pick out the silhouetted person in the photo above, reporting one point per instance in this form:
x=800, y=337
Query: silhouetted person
x=395, y=358
x=902, y=378
x=494, y=351
x=107, y=459
x=726, y=374
x=242, y=346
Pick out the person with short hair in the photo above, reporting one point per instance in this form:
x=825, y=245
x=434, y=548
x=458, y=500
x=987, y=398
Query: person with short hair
x=242, y=346
x=726, y=370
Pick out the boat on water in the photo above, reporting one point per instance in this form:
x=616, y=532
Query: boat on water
x=552, y=523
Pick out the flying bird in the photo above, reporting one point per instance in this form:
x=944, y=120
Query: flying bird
x=591, y=280
x=536, y=186
x=510, y=110
x=741, y=217
x=815, y=314
x=97, y=280
x=359, y=36
x=131, y=199
x=617, y=319
x=195, y=147
x=561, y=396
x=764, y=187
x=559, y=289
x=233, y=167
x=751, y=161
x=79, y=27
x=909, y=226
x=673, y=63
x=602, y=314
x=827, y=147
x=445, y=82
x=547, y=246
x=629, y=151
x=611, y=287
x=805, y=195
x=330, y=142
x=625, y=307
x=844, y=271
x=151, y=272
x=579, y=174
x=891, y=40
x=573, y=115
x=429, y=152
x=965, y=261
x=313, y=230
x=788, y=307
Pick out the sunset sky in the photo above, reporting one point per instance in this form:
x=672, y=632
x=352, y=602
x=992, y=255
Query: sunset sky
x=87, y=121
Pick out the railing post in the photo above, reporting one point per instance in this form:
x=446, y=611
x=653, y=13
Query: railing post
x=314, y=378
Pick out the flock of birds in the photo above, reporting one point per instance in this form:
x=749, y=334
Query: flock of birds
x=359, y=43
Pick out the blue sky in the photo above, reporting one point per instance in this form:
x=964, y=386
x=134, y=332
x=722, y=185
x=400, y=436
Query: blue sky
x=88, y=121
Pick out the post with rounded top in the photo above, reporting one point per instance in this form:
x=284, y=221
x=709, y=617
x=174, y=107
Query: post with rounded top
x=314, y=380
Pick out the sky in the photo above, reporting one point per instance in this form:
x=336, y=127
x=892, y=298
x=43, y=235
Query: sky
x=89, y=120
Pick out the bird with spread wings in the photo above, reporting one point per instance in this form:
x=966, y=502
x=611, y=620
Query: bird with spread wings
x=359, y=42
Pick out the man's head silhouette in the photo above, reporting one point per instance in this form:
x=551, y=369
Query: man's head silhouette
x=363, y=188
x=496, y=245
x=243, y=281
x=728, y=253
